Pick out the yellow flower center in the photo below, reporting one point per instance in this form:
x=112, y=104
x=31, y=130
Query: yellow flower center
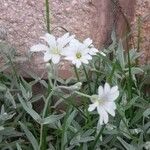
x=98, y=100
x=78, y=55
x=55, y=51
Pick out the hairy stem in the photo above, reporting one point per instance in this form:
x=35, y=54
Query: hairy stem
x=87, y=78
x=76, y=73
x=47, y=15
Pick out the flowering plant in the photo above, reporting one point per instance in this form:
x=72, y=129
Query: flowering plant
x=80, y=53
x=101, y=106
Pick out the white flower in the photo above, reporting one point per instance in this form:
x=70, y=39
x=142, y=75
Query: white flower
x=102, y=53
x=104, y=102
x=147, y=145
x=88, y=43
x=55, y=47
x=77, y=53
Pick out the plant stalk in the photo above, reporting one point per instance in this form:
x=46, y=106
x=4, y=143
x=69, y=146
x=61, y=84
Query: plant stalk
x=88, y=80
x=47, y=15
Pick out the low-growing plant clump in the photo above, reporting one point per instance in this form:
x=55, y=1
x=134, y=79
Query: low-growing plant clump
x=105, y=105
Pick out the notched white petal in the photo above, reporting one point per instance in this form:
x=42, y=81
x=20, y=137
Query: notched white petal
x=50, y=39
x=92, y=107
x=87, y=42
x=106, y=88
x=100, y=91
x=114, y=89
x=38, y=48
x=113, y=96
x=55, y=59
x=47, y=57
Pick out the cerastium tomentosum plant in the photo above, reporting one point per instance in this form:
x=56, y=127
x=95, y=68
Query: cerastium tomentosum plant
x=93, y=111
x=69, y=48
x=77, y=53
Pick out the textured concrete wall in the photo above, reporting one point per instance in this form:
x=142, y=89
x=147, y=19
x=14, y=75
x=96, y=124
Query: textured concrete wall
x=142, y=10
x=24, y=21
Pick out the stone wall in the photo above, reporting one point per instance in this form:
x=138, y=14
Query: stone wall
x=24, y=21
x=142, y=12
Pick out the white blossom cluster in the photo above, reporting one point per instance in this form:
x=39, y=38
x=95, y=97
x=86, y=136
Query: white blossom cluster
x=66, y=47
x=69, y=48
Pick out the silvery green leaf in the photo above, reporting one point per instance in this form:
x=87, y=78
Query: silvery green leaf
x=148, y=131
x=137, y=117
x=52, y=119
x=76, y=140
x=126, y=145
x=1, y=128
x=30, y=136
x=147, y=145
x=51, y=147
x=5, y=116
x=131, y=102
x=134, y=55
x=2, y=110
x=113, y=36
x=136, y=70
x=55, y=125
x=70, y=118
x=87, y=139
x=26, y=85
x=120, y=54
x=85, y=146
x=10, y=132
x=88, y=133
x=44, y=83
x=29, y=110
x=2, y=87
x=146, y=113
x=10, y=98
x=18, y=146
x=25, y=93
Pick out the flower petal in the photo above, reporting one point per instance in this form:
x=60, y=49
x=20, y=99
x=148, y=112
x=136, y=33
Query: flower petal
x=102, y=53
x=87, y=42
x=50, y=39
x=87, y=56
x=55, y=59
x=93, y=51
x=92, y=107
x=108, y=107
x=47, y=56
x=106, y=88
x=78, y=64
x=103, y=113
x=113, y=96
x=101, y=120
x=38, y=48
x=85, y=61
x=64, y=40
x=100, y=91
x=114, y=89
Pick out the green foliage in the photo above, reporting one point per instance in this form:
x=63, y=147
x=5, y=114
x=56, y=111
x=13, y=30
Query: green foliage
x=64, y=122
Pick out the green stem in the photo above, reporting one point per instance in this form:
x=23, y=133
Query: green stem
x=98, y=136
x=65, y=127
x=97, y=77
x=122, y=118
x=43, y=130
x=47, y=15
x=88, y=80
x=42, y=140
x=76, y=73
x=14, y=70
x=82, y=94
x=112, y=73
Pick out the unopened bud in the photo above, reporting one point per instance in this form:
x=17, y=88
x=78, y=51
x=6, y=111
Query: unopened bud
x=76, y=86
